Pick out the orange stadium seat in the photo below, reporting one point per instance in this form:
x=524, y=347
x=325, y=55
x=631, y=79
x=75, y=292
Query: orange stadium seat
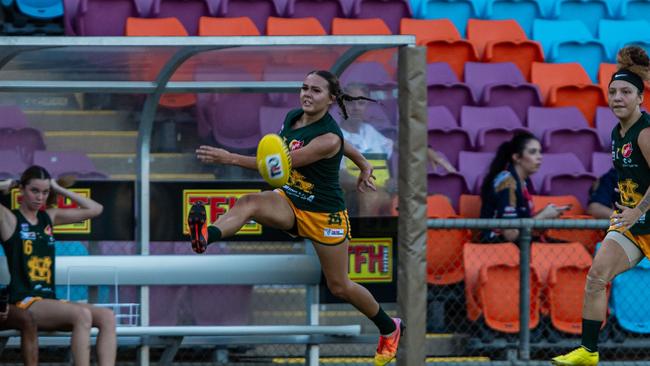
x=539, y=202
x=443, y=42
x=238, y=26
x=567, y=84
x=367, y=27
x=499, y=296
x=504, y=41
x=438, y=205
x=565, y=295
x=470, y=206
x=139, y=27
x=309, y=26
x=476, y=256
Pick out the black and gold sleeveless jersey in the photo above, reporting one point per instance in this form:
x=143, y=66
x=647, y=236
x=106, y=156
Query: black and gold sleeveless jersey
x=314, y=187
x=632, y=168
x=30, y=255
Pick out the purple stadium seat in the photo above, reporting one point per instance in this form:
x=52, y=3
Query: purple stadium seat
x=391, y=11
x=474, y=165
x=257, y=10
x=497, y=84
x=489, y=126
x=7, y=141
x=605, y=123
x=451, y=185
x=563, y=174
x=271, y=119
x=445, y=135
x=188, y=12
x=564, y=129
x=27, y=141
x=12, y=117
x=285, y=73
x=60, y=163
x=102, y=17
x=370, y=73
x=444, y=89
x=323, y=10
x=601, y=163
x=11, y=166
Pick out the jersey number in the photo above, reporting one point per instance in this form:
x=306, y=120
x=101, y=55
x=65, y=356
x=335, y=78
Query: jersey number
x=27, y=247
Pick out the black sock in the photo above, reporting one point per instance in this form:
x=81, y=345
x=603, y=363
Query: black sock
x=384, y=322
x=590, y=330
x=214, y=234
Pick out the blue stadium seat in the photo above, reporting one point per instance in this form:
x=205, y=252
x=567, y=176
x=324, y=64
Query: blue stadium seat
x=458, y=11
x=590, y=12
x=615, y=34
x=41, y=9
x=77, y=292
x=523, y=11
x=635, y=10
x=570, y=41
x=629, y=303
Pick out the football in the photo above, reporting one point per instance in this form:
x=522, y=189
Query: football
x=273, y=160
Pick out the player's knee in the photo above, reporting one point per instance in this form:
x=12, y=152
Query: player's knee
x=26, y=320
x=105, y=319
x=248, y=201
x=83, y=318
x=339, y=289
x=596, y=281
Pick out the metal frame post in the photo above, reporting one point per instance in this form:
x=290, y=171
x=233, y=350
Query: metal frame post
x=524, y=292
x=312, y=352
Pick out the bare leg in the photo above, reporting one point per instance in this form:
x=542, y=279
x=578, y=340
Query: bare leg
x=104, y=320
x=609, y=262
x=57, y=315
x=22, y=320
x=334, y=261
x=267, y=208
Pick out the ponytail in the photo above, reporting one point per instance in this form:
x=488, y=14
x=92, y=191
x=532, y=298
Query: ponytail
x=335, y=90
x=503, y=159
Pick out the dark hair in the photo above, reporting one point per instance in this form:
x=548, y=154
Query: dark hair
x=635, y=59
x=504, y=157
x=335, y=89
x=37, y=172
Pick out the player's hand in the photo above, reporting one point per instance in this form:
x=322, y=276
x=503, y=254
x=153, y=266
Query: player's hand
x=366, y=180
x=213, y=155
x=7, y=184
x=625, y=217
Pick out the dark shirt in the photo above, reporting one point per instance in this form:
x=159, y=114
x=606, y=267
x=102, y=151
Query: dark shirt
x=604, y=189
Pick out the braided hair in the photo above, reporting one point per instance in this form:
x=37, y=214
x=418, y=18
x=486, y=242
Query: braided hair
x=336, y=91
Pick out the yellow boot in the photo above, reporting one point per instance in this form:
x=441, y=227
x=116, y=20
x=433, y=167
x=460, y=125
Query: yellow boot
x=578, y=357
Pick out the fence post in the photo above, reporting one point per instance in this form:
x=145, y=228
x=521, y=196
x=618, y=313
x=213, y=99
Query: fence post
x=312, y=352
x=524, y=290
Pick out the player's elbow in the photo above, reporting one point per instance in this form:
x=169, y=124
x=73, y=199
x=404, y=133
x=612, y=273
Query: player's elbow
x=96, y=210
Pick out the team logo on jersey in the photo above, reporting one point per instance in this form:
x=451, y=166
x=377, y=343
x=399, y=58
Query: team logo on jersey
x=626, y=150
x=48, y=230
x=295, y=145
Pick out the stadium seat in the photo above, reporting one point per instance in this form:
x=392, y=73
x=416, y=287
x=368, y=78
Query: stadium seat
x=257, y=10
x=545, y=256
x=425, y=30
x=444, y=89
x=470, y=206
x=501, y=84
x=504, y=41
x=370, y=73
x=138, y=27
x=523, y=11
x=488, y=127
x=285, y=73
x=390, y=11
x=27, y=141
x=370, y=26
x=601, y=163
x=605, y=122
x=605, y=73
x=635, y=10
x=188, y=12
x=41, y=9
x=439, y=206
x=564, y=129
x=445, y=135
x=451, y=185
x=239, y=26
x=323, y=10
x=473, y=166
x=568, y=85
x=12, y=117
x=563, y=174
x=272, y=118
x=309, y=26
x=60, y=163
x=101, y=17
x=458, y=11
x=636, y=32
x=74, y=293
x=630, y=304
x=570, y=41
x=11, y=165
x=588, y=12
x=477, y=256
x=565, y=295
x=498, y=292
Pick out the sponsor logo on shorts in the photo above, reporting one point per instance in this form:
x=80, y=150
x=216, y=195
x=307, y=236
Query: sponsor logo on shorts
x=274, y=166
x=333, y=233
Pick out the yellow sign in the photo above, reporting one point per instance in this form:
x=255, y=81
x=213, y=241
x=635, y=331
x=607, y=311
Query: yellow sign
x=217, y=202
x=62, y=203
x=371, y=260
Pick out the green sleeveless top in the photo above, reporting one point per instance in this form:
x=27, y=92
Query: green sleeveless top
x=30, y=256
x=632, y=168
x=314, y=187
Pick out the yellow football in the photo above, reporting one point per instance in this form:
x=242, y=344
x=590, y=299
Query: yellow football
x=273, y=160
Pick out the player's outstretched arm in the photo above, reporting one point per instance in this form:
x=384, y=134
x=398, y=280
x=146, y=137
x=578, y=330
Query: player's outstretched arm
x=214, y=155
x=7, y=219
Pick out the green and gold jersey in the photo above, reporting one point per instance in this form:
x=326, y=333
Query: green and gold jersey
x=632, y=168
x=314, y=187
x=30, y=256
